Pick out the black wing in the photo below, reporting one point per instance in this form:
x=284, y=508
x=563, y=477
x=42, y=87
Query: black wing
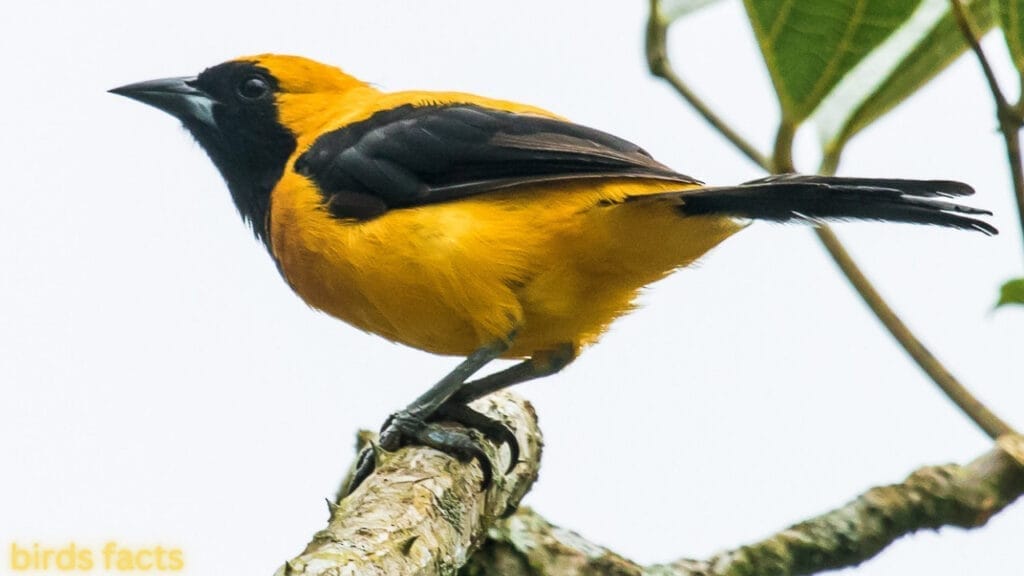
x=415, y=155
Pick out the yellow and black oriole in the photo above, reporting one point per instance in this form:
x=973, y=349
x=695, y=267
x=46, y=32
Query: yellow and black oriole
x=475, y=227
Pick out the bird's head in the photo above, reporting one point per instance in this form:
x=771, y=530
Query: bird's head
x=249, y=115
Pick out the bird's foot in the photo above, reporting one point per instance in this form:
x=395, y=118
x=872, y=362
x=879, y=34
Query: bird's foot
x=492, y=429
x=405, y=428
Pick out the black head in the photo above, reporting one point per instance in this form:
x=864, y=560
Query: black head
x=231, y=110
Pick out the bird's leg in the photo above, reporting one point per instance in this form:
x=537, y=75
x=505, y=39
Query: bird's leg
x=456, y=408
x=424, y=406
x=411, y=425
x=539, y=365
x=449, y=399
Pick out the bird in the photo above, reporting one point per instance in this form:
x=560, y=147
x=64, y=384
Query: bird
x=476, y=227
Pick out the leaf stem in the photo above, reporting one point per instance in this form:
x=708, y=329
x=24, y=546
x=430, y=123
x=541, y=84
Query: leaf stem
x=661, y=67
x=1009, y=115
x=782, y=153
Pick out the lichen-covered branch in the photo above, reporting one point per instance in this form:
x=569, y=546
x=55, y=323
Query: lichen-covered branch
x=951, y=495
x=422, y=512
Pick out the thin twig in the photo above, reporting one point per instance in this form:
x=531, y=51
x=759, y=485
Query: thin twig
x=1009, y=115
x=1012, y=140
x=971, y=406
x=987, y=420
x=661, y=66
x=970, y=35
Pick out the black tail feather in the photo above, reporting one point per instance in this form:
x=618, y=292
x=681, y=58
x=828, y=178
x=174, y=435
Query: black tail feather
x=809, y=197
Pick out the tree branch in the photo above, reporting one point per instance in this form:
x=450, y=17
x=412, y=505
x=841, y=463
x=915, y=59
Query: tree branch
x=422, y=512
x=930, y=498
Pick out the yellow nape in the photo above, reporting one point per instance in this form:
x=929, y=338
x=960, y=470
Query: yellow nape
x=314, y=98
x=300, y=75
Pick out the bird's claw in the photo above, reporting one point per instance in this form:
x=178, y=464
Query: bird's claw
x=404, y=428
x=492, y=429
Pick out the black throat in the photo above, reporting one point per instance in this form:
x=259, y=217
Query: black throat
x=246, y=140
x=250, y=170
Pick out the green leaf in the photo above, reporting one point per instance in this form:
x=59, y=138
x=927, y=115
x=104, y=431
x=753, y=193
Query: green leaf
x=1011, y=293
x=810, y=45
x=1011, y=19
x=915, y=65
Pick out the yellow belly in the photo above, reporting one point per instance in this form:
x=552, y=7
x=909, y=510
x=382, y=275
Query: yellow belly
x=554, y=262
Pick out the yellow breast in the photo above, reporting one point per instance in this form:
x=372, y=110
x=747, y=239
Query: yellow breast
x=557, y=262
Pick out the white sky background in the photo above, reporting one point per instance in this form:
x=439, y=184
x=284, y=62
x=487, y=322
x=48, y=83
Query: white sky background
x=162, y=385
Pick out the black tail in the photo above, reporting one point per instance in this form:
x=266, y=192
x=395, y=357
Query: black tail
x=808, y=197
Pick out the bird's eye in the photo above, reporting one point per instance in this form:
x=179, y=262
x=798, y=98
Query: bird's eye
x=253, y=88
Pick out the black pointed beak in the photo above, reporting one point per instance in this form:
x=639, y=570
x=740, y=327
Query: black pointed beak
x=177, y=96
